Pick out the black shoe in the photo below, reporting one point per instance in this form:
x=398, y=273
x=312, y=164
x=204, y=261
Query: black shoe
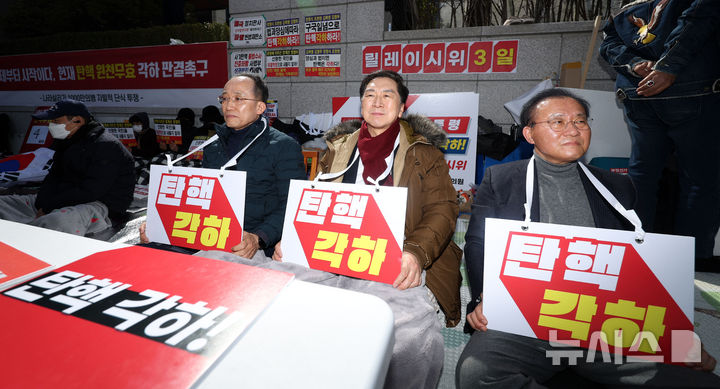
x=708, y=265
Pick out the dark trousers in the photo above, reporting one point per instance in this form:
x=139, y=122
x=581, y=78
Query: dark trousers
x=688, y=126
x=496, y=359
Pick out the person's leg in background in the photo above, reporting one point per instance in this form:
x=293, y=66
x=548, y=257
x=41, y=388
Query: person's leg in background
x=696, y=134
x=649, y=153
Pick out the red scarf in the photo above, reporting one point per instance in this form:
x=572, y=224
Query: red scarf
x=374, y=150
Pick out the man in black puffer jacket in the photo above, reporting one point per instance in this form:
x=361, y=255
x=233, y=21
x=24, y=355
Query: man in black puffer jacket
x=91, y=181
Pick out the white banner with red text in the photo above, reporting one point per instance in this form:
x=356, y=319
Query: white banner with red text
x=349, y=229
x=455, y=113
x=197, y=208
x=579, y=285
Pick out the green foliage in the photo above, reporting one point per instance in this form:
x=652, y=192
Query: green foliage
x=159, y=35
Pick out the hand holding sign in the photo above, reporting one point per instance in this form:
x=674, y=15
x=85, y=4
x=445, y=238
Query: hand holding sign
x=410, y=272
x=197, y=208
x=349, y=229
x=477, y=319
x=248, y=247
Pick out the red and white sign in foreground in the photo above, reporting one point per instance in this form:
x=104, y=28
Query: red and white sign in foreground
x=347, y=229
x=581, y=285
x=196, y=208
x=130, y=317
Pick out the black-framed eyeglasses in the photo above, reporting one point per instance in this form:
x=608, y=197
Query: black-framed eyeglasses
x=559, y=124
x=236, y=99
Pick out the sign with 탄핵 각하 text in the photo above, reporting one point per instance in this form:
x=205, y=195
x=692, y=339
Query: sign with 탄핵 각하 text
x=580, y=285
x=442, y=57
x=196, y=208
x=347, y=229
x=322, y=62
x=130, y=312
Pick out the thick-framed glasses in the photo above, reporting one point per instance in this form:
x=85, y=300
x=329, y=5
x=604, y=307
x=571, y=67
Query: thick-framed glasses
x=559, y=124
x=236, y=99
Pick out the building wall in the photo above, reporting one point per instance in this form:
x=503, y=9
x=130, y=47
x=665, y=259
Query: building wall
x=543, y=48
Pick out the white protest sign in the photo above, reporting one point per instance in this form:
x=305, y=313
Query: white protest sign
x=578, y=284
x=348, y=229
x=455, y=113
x=195, y=207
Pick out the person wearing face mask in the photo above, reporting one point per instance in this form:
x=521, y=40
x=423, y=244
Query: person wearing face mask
x=90, y=184
x=147, y=146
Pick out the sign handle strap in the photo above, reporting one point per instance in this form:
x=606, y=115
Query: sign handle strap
x=233, y=160
x=332, y=176
x=195, y=150
x=529, y=182
x=375, y=181
x=630, y=215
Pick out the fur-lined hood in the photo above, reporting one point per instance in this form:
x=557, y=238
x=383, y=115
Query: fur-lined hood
x=420, y=124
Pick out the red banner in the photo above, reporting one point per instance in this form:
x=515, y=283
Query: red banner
x=198, y=65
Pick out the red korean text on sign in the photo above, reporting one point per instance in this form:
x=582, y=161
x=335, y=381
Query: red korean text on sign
x=412, y=58
x=452, y=124
x=584, y=292
x=433, y=58
x=195, y=213
x=456, y=57
x=371, y=59
x=391, y=57
x=345, y=233
x=480, y=59
x=505, y=56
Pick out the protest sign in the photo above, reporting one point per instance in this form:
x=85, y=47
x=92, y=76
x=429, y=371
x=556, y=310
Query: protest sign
x=349, y=229
x=196, y=208
x=130, y=317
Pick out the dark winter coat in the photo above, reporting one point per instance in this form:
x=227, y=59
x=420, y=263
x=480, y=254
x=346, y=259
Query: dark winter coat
x=271, y=162
x=501, y=195
x=91, y=165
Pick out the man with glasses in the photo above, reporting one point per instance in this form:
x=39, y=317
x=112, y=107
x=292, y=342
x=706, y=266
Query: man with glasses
x=557, y=123
x=271, y=160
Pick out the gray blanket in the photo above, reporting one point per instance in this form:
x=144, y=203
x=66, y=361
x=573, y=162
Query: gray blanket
x=418, y=353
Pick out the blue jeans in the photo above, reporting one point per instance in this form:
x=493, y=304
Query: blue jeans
x=689, y=126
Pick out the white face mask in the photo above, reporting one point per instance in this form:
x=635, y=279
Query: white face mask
x=58, y=131
x=137, y=128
